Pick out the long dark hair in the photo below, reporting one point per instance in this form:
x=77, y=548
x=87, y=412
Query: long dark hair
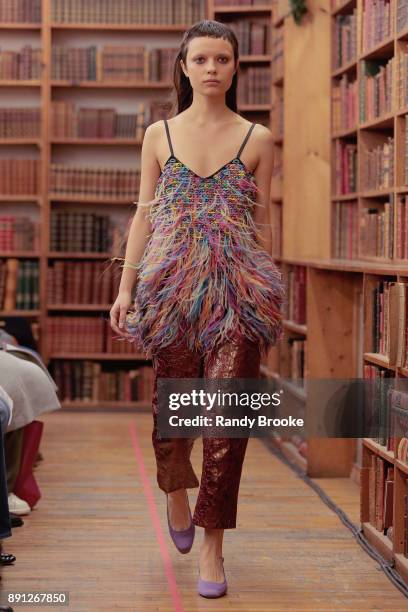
x=183, y=94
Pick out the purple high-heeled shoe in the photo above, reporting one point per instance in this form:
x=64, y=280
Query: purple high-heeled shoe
x=207, y=588
x=183, y=539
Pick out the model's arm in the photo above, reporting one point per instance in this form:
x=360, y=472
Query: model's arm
x=263, y=176
x=139, y=231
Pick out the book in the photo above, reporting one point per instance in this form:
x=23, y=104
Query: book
x=376, y=88
x=20, y=122
x=83, y=282
x=93, y=382
x=294, y=308
x=19, y=176
x=112, y=63
x=344, y=103
x=378, y=17
x=345, y=229
x=344, y=39
x=21, y=65
x=94, y=181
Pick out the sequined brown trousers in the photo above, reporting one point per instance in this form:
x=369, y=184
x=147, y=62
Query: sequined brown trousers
x=216, y=506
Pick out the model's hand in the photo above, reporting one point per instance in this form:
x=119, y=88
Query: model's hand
x=118, y=313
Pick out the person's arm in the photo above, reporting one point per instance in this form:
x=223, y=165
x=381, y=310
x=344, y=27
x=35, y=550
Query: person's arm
x=263, y=177
x=139, y=231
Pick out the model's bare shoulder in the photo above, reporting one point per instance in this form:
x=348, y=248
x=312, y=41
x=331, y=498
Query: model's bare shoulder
x=263, y=144
x=151, y=144
x=153, y=131
x=263, y=137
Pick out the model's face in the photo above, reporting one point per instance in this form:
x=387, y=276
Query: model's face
x=209, y=65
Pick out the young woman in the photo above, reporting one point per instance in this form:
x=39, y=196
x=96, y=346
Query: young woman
x=208, y=293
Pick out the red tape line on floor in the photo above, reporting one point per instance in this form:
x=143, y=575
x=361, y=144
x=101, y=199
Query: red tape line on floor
x=164, y=551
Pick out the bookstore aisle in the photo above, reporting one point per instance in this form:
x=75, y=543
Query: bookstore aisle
x=101, y=533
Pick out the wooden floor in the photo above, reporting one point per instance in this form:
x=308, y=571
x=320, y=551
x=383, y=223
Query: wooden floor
x=92, y=532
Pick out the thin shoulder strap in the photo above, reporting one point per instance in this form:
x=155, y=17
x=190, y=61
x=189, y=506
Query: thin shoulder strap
x=245, y=140
x=168, y=137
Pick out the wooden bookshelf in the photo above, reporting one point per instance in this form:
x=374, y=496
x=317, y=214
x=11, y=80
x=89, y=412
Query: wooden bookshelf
x=111, y=84
x=231, y=9
x=20, y=26
x=20, y=198
x=378, y=540
x=347, y=67
x=279, y=9
x=254, y=58
x=339, y=298
x=347, y=265
x=79, y=307
x=47, y=90
x=121, y=27
x=84, y=199
x=52, y=149
x=254, y=108
x=139, y=406
x=20, y=141
x=30, y=88
x=21, y=254
x=373, y=448
x=97, y=141
x=336, y=298
x=378, y=359
x=77, y=255
x=19, y=313
x=367, y=134
x=256, y=112
x=20, y=83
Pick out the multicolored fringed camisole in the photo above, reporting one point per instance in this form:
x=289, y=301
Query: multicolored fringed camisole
x=203, y=276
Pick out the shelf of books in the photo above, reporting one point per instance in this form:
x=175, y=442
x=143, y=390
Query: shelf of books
x=251, y=23
x=69, y=106
x=280, y=8
x=323, y=302
x=287, y=360
x=22, y=193
x=384, y=471
x=369, y=228
x=370, y=131
x=356, y=300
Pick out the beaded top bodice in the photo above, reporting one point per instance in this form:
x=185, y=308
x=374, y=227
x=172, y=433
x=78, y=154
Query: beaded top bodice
x=203, y=275
x=204, y=213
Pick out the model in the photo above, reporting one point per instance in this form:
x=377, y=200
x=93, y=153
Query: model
x=208, y=294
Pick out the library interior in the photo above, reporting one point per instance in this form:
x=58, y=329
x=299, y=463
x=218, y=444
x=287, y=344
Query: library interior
x=321, y=520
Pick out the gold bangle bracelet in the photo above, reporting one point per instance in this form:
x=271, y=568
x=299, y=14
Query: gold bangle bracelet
x=127, y=264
